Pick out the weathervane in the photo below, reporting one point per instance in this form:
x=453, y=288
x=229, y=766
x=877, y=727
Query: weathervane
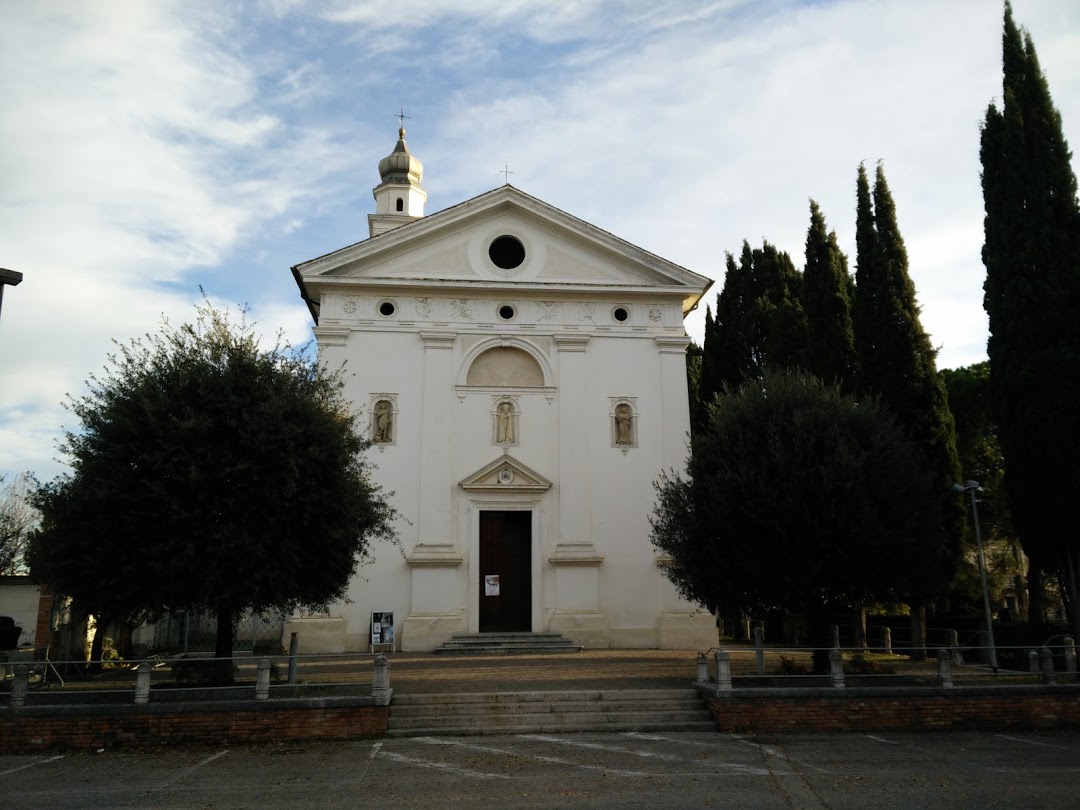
x=505, y=172
x=401, y=116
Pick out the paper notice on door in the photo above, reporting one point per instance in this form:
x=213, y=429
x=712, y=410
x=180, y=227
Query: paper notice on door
x=491, y=584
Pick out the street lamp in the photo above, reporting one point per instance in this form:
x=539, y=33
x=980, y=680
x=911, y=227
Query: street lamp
x=973, y=487
x=8, y=277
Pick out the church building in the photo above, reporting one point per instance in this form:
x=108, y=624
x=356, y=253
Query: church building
x=522, y=378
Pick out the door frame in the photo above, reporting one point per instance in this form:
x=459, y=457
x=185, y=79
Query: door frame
x=514, y=503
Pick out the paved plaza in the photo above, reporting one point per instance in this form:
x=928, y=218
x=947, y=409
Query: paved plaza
x=670, y=770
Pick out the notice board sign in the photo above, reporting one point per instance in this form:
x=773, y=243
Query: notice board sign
x=382, y=628
x=491, y=584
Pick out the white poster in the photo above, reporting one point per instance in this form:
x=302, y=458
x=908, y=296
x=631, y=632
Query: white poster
x=491, y=584
x=382, y=627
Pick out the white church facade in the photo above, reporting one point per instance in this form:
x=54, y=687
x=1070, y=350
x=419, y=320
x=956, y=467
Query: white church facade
x=522, y=376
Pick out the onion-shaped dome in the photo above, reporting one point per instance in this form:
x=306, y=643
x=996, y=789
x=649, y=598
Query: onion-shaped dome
x=400, y=166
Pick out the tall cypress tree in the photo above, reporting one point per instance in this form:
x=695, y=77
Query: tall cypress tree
x=759, y=320
x=1032, y=258
x=826, y=301
x=896, y=359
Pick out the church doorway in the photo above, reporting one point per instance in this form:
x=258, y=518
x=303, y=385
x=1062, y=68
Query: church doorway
x=505, y=571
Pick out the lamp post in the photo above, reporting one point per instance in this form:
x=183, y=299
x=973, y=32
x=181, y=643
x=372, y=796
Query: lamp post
x=973, y=487
x=8, y=277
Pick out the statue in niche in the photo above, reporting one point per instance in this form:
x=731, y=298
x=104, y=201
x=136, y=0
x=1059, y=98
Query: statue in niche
x=504, y=424
x=624, y=423
x=384, y=422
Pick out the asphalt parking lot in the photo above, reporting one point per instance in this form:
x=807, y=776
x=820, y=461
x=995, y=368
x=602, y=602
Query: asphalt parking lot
x=672, y=770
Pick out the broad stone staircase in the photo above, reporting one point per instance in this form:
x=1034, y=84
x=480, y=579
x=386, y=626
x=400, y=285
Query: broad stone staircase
x=504, y=643
x=541, y=712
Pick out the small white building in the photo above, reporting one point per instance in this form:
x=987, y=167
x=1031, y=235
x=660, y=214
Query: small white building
x=523, y=377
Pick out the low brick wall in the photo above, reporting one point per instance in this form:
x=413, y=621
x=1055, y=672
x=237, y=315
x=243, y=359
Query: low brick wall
x=896, y=709
x=52, y=728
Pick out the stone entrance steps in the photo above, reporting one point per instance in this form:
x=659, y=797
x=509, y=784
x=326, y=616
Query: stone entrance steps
x=504, y=643
x=543, y=712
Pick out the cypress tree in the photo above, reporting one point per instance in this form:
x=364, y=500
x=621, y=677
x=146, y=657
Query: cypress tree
x=826, y=301
x=1032, y=258
x=897, y=361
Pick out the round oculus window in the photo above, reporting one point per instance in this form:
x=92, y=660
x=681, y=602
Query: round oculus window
x=506, y=312
x=620, y=314
x=506, y=252
x=386, y=308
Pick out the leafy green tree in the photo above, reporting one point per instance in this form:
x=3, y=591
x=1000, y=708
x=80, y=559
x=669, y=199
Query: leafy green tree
x=826, y=300
x=797, y=496
x=17, y=519
x=897, y=363
x=759, y=320
x=209, y=474
x=1032, y=258
x=981, y=459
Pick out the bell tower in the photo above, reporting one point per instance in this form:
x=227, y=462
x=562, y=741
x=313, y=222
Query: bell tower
x=399, y=198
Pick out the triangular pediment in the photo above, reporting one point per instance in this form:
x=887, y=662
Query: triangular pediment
x=450, y=249
x=505, y=474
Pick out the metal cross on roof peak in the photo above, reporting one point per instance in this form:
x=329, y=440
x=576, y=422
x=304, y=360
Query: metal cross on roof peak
x=505, y=172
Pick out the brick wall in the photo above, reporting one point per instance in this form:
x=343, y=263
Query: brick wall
x=89, y=728
x=903, y=710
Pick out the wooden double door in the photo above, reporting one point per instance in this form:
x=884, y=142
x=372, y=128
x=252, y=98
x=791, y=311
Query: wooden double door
x=505, y=571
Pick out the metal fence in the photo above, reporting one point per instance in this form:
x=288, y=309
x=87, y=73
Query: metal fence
x=197, y=632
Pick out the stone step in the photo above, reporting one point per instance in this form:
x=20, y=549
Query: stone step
x=583, y=695
x=554, y=707
x=502, y=643
x=536, y=712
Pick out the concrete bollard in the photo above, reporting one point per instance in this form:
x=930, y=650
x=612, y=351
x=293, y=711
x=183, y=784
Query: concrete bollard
x=262, y=680
x=1033, y=661
x=759, y=647
x=702, y=668
x=886, y=640
x=20, y=686
x=836, y=637
x=953, y=642
x=944, y=669
x=1047, y=659
x=380, y=677
x=723, y=670
x=294, y=646
x=1070, y=655
x=836, y=669
x=142, y=682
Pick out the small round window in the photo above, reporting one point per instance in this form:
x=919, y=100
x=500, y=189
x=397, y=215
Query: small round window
x=386, y=308
x=506, y=252
x=506, y=312
x=620, y=314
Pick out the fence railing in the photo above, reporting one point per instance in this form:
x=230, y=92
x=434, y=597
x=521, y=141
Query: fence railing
x=957, y=664
x=193, y=677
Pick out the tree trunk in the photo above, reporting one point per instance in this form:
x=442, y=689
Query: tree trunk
x=223, y=646
x=93, y=666
x=918, y=631
x=860, y=628
x=1072, y=578
x=1036, y=603
x=820, y=638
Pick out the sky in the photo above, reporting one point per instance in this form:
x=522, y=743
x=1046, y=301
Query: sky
x=151, y=148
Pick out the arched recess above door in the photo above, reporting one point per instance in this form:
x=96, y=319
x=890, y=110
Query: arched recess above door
x=506, y=364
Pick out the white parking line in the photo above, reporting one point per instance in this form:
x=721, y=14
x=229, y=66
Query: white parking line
x=746, y=769
x=31, y=765
x=538, y=757
x=934, y=754
x=375, y=750
x=191, y=770
x=772, y=752
x=442, y=766
x=1021, y=740
x=640, y=735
